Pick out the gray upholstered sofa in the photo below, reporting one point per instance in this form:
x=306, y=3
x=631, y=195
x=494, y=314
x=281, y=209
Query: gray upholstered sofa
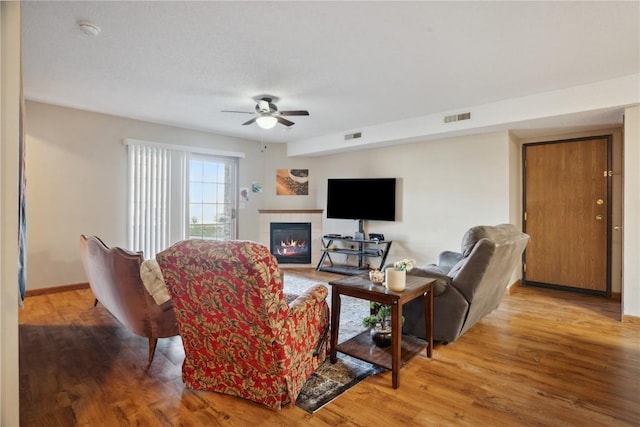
x=470, y=284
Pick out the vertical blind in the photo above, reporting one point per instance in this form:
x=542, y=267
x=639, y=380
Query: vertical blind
x=158, y=194
x=149, y=198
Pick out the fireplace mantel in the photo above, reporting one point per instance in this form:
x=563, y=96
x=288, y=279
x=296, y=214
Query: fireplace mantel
x=314, y=216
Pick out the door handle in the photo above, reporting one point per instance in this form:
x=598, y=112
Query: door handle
x=599, y=217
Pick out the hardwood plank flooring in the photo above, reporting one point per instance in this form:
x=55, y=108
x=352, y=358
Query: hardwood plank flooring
x=543, y=358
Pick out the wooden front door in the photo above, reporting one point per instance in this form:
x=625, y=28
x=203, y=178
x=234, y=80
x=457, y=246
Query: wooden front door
x=567, y=209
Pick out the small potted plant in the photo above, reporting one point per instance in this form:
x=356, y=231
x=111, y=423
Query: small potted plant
x=396, y=275
x=404, y=265
x=379, y=322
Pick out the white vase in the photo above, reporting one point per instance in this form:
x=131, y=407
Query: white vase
x=396, y=280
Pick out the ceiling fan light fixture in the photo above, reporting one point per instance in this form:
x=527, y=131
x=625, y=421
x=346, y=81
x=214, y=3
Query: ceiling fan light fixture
x=266, y=122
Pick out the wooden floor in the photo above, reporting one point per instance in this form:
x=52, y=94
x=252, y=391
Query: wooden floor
x=544, y=358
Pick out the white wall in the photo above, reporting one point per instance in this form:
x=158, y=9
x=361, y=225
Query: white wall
x=76, y=174
x=445, y=187
x=77, y=181
x=275, y=157
x=515, y=113
x=631, y=268
x=77, y=184
x=9, y=296
x=515, y=181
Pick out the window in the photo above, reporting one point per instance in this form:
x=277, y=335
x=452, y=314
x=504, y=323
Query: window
x=212, y=193
x=179, y=192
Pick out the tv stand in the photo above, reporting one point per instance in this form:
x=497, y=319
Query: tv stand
x=363, y=249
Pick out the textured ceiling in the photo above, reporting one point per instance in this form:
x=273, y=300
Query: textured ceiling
x=351, y=64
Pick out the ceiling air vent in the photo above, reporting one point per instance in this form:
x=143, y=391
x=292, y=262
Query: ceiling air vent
x=457, y=117
x=355, y=135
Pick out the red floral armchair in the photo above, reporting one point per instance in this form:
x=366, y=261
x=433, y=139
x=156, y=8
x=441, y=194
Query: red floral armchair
x=239, y=334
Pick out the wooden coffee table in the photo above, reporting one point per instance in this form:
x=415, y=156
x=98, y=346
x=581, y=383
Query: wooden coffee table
x=402, y=347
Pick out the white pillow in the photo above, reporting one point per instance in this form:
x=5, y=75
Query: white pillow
x=154, y=281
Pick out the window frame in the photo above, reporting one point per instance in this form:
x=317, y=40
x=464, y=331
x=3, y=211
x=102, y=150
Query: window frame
x=233, y=192
x=176, y=203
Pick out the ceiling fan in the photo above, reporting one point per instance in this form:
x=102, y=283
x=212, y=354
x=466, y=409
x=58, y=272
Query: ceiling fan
x=267, y=113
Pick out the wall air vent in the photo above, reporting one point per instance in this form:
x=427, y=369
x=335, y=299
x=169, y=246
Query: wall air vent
x=355, y=135
x=457, y=117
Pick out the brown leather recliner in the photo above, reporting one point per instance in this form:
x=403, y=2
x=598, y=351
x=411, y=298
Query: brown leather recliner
x=114, y=277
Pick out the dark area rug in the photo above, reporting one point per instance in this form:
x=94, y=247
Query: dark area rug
x=331, y=380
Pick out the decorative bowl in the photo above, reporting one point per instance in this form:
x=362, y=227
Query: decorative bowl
x=376, y=276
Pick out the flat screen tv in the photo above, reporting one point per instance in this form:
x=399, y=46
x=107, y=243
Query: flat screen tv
x=362, y=199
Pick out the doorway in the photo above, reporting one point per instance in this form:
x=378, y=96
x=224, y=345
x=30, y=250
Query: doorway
x=567, y=213
x=213, y=188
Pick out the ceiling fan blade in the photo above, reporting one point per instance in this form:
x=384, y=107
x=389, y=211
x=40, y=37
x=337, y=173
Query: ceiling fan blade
x=234, y=111
x=294, y=113
x=250, y=121
x=284, y=121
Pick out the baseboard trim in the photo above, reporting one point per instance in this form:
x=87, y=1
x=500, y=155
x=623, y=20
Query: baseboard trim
x=634, y=320
x=56, y=289
x=512, y=288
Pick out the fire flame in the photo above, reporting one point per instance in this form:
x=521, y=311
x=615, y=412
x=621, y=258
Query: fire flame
x=291, y=247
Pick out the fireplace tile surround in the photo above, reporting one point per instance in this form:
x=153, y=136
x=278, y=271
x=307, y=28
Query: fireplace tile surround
x=313, y=216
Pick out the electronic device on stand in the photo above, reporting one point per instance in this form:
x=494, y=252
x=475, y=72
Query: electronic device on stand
x=366, y=249
x=360, y=199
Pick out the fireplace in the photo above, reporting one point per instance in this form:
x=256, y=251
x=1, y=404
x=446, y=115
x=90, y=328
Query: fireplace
x=291, y=242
